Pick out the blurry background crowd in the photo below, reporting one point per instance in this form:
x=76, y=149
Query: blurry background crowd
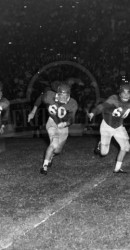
x=91, y=33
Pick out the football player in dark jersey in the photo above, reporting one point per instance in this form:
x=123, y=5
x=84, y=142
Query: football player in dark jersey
x=4, y=115
x=62, y=109
x=114, y=110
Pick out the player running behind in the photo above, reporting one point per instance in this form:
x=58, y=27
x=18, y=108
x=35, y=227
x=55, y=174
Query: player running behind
x=114, y=110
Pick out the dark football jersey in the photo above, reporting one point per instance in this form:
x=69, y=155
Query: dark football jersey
x=113, y=110
x=59, y=112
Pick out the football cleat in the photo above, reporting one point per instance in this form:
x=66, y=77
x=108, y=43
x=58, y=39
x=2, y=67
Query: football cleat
x=43, y=170
x=97, y=150
x=120, y=171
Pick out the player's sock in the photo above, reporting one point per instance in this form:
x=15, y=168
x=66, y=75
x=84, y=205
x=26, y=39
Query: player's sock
x=45, y=167
x=118, y=166
x=45, y=163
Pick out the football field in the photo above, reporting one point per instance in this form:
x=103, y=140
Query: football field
x=79, y=205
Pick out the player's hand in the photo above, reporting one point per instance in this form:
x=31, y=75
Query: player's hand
x=2, y=129
x=30, y=116
x=90, y=115
x=126, y=113
x=62, y=125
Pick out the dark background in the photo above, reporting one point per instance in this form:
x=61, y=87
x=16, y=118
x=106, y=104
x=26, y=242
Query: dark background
x=94, y=33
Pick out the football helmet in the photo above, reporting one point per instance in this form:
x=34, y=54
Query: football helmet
x=63, y=93
x=124, y=92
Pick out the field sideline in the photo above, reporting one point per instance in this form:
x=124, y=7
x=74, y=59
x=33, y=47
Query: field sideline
x=80, y=204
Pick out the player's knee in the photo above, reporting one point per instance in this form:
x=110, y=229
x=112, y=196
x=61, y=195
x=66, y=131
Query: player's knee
x=104, y=153
x=125, y=147
x=54, y=144
x=104, y=150
x=58, y=150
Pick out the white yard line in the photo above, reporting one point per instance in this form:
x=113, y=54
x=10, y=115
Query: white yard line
x=75, y=195
x=66, y=204
x=52, y=214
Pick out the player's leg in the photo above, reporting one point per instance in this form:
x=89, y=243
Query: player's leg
x=50, y=152
x=58, y=137
x=106, y=134
x=63, y=134
x=54, y=140
x=57, y=140
x=122, y=138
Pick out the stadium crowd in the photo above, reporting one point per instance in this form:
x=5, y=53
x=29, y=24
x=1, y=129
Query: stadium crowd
x=102, y=46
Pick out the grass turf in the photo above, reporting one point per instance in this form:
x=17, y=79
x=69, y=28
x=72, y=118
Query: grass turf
x=28, y=198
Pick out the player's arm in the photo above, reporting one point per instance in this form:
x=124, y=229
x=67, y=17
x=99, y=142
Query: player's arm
x=100, y=107
x=32, y=113
x=37, y=103
x=95, y=111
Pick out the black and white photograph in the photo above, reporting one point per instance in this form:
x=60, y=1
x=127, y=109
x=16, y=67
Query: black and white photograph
x=64, y=125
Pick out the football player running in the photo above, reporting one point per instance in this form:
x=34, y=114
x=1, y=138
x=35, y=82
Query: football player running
x=114, y=110
x=62, y=109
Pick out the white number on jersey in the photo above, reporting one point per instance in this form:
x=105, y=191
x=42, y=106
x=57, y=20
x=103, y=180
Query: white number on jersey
x=52, y=109
x=61, y=112
x=117, y=112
